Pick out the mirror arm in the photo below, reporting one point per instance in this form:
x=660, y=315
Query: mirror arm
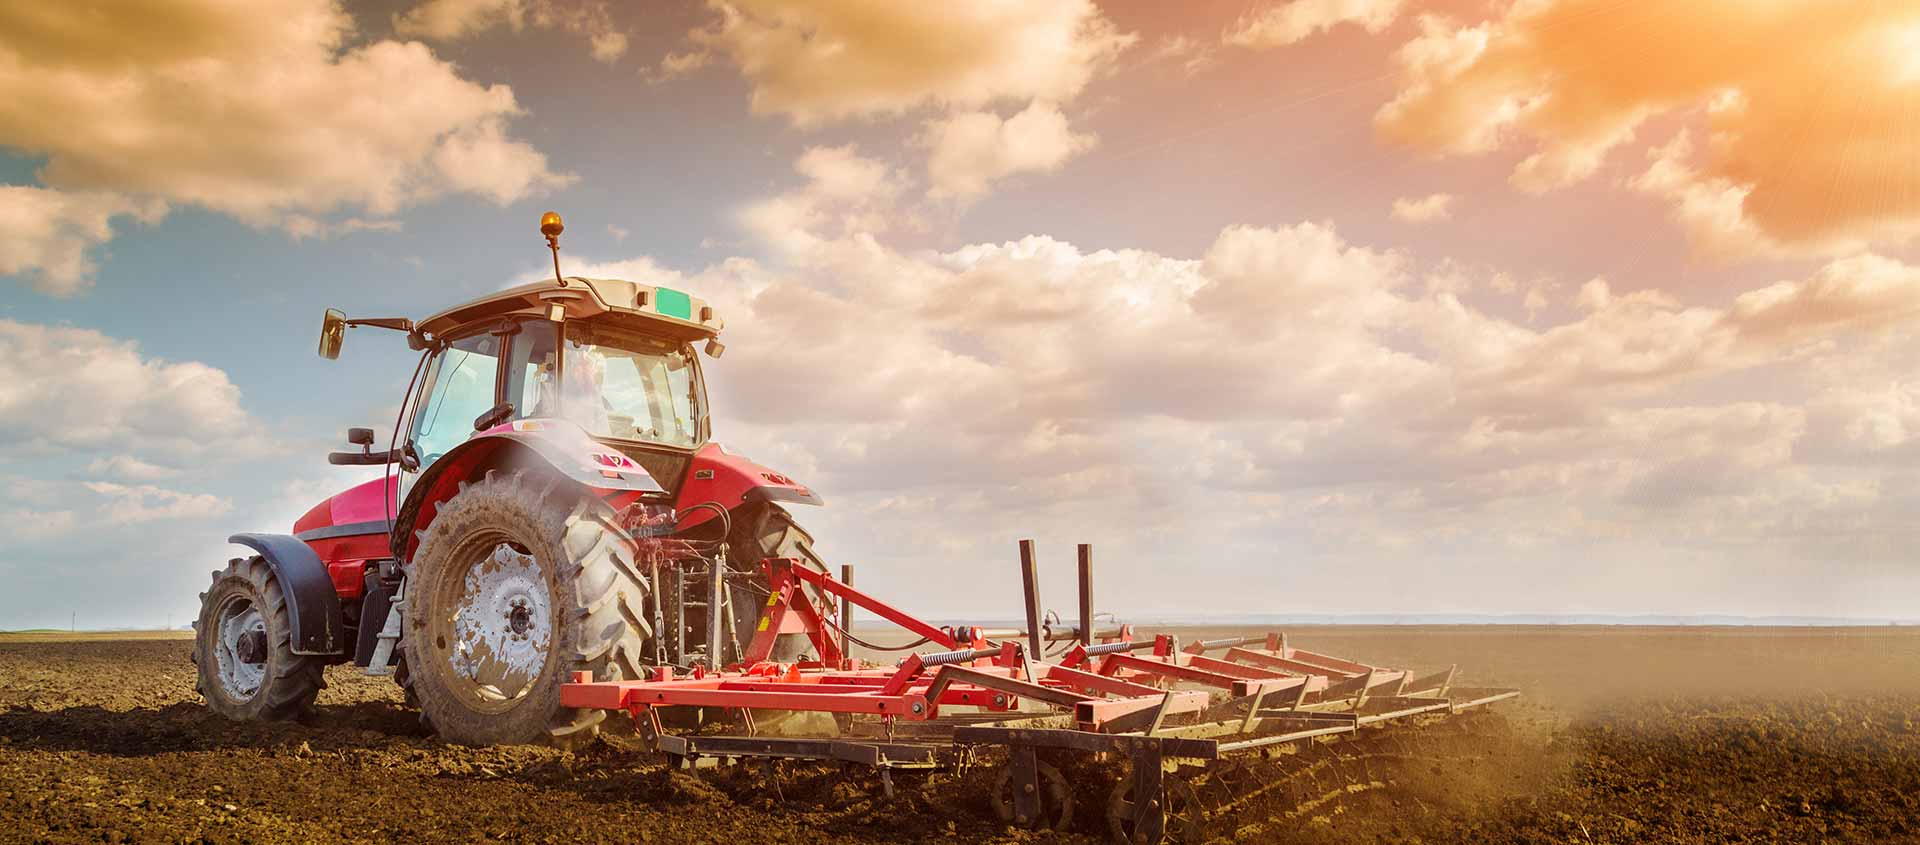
x=400, y=324
x=365, y=458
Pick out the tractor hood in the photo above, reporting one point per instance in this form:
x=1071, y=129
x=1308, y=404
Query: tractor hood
x=360, y=509
x=657, y=310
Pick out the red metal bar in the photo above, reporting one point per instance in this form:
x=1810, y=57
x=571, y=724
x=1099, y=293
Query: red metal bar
x=878, y=607
x=1098, y=683
x=1236, y=670
x=949, y=675
x=1167, y=670
x=1283, y=664
x=1097, y=712
x=628, y=695
x=1330, y=662
x=779, y=603
x=828, y=646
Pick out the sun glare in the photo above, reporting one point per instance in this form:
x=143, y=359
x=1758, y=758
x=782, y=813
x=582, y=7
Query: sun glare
x=1904, y=51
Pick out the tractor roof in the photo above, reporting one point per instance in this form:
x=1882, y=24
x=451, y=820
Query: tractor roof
x=650, y=308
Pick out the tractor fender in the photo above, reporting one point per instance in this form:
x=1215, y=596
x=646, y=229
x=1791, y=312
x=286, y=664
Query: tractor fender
x=313, y=609
x=731, y=480
x=545, y=444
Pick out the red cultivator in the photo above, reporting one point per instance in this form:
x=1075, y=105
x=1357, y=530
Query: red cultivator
x=1196, y=712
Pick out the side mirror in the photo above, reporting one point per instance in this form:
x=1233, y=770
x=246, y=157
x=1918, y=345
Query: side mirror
x=333, y=332
x=715, y=348
x=360, y=436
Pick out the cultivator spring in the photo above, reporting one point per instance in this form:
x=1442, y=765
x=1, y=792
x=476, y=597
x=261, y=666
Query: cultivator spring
x=1206, y=729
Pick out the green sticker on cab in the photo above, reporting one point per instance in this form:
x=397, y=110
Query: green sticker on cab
x=673, y=303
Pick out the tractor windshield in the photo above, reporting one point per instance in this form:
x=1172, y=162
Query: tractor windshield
x=619, y=384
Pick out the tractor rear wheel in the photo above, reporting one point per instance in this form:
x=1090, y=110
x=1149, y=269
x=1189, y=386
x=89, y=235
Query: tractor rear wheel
x=520, y=581
x=242, y=648
x=759, y=532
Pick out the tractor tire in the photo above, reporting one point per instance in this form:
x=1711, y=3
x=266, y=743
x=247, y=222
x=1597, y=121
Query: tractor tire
x=243, y=649
x=520, y=581
x=761, y=531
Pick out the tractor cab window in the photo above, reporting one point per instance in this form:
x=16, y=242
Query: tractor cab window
x=462, y=389
x=615, y=383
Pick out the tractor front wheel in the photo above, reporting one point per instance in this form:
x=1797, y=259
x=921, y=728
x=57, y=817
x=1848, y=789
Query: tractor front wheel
x=520, y=581
x=242, y=648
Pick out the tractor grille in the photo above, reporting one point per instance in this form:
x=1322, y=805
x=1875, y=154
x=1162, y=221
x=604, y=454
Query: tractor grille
x=667, y=468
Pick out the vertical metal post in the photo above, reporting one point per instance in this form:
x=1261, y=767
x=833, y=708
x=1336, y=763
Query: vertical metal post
x=1086, y=594
x=846, y=615
x=1030, y=576
x=679, y=614
x=716, y=596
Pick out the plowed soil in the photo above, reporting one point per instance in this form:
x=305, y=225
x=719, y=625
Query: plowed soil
x=1625, y=735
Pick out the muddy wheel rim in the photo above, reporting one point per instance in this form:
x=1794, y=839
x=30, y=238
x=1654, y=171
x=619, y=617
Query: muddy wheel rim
x=495, y=634
x=240, y=652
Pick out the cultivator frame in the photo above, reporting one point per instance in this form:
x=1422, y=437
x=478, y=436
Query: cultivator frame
x=1110, y=692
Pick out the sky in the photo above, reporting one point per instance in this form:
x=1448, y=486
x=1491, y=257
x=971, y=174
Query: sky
x=1287, y=306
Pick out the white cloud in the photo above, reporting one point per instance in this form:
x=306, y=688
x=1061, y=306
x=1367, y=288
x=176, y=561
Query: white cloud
x=1312, y=397
x=815, y=62
x=1783, y=166
x=1191, y=55
x=130, y=467
x=845, y=193
x=1427, y=209
x=273, y=112
x=79, y=389
x=973, y=150
x=46, y=235
x=128, y=504
x=1290, y=22
x=454, y=20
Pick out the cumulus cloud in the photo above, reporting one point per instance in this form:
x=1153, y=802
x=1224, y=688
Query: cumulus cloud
x=1191, y=55
x=128, y=504
x=79, y=389
x=275, y=113
x=128, y=466
x=47, y=235
x=845, y=193
x=1786, y=166
x=453, y=20
x=820, y=62
x=1425, y=209
x=1296, y=387
x=1293, y=21
x=973, y=150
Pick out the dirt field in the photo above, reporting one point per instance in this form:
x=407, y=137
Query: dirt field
x=1625, y=735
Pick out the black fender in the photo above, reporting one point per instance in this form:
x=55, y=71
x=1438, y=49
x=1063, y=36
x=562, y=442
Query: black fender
x=313, y=607
x=560, y=447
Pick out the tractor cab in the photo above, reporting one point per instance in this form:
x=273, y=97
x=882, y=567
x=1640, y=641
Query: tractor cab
x=615, y=359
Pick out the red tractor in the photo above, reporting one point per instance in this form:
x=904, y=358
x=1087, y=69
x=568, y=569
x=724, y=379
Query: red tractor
x=552, y=503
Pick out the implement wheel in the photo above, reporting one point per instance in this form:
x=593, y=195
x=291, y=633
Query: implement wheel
x=1056, y=799
x=242, y=650
x=1185, y=818
x=520, y=581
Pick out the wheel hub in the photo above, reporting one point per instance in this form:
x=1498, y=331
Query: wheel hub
x=240, y=654
x=502, y=625
x=252, y=647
